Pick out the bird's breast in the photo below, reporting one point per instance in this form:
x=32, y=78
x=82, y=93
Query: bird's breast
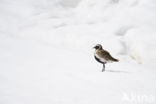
x=101, y=59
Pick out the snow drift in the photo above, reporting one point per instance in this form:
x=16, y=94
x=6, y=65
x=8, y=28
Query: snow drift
x=47, y=57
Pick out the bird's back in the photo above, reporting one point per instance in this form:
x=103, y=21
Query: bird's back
x=106, y=56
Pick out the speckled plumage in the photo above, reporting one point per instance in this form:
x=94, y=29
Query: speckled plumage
x=103, y=56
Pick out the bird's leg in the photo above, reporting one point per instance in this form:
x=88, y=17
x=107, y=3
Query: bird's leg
x=103, y=69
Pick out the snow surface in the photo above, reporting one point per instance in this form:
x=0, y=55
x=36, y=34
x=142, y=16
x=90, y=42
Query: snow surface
x=46, y=52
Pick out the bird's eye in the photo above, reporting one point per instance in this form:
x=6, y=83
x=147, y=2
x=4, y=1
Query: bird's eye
x=97, y=47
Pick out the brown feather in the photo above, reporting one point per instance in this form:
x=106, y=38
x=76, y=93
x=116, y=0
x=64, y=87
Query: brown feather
x=106, y=55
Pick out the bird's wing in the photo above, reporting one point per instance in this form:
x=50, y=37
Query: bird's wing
x=105, y=54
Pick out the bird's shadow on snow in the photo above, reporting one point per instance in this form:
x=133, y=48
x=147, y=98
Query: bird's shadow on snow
x=116, y=71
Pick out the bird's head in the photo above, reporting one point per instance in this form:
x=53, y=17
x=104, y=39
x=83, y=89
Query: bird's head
x=98, y=46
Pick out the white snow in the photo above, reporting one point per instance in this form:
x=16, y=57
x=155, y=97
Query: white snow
x=46, y=54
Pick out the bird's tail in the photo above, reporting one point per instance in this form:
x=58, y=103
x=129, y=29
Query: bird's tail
x=115, y=60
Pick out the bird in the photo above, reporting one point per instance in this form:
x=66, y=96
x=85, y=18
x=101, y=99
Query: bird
x=103, y=56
